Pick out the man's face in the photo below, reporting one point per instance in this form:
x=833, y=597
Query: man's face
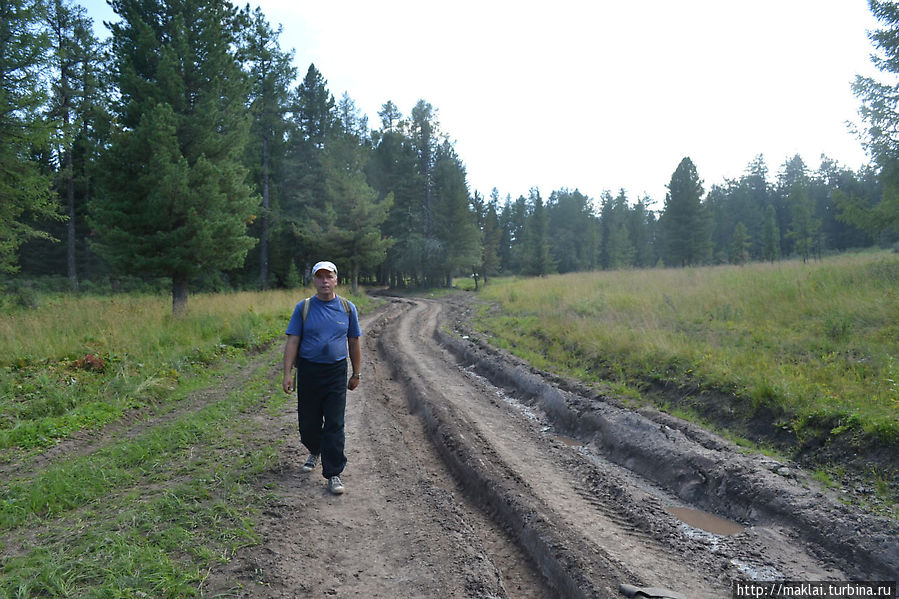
x=325, y=283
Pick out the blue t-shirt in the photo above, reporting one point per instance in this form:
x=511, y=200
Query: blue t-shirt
x=325, y=331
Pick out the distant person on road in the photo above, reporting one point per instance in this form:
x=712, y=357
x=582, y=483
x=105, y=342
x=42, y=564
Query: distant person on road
x=321, y=331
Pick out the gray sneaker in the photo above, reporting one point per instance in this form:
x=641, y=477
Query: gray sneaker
x=311, y=462
x=335, y=486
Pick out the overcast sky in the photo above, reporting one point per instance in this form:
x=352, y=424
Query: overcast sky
x=597, y=95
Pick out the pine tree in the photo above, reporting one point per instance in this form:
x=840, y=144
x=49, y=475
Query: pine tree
x=488, y=222
x=424, y=130
x=505, y=237
x=880, y=113
x=315, y=122
x=572, y=230
x=351, y=120
x=686, y=226
x=315, y=108
x=393, y=170
x=739, y=248
x=25, y=191
x=353, y=213
x=76, y=59
x=792, y=186
x=176, y=202
x=770, y=236
x=271, y=73
x=292, y=279
x=616, y=247
x=747, y=202
x=455, y=238
x=391, y=117
x=537, y=260
x=854, y=197
x=804, y=227
x=641, y=227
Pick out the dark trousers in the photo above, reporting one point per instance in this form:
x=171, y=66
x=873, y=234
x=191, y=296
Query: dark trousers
x=321, y=409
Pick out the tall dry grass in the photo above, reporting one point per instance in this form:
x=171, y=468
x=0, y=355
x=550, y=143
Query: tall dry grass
x=66, y=327
x=816, y=339
x=46, y=392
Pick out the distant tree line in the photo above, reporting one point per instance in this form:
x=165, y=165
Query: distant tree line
x=186, y=147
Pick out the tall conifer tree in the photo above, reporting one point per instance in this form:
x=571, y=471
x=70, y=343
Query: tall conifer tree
x=488, y=223
x=455, y=238
x=25, y=192
x=770, y=236
x=641, y=223
x=352, y=213
x=537, y=260
x=271, y=74
x=315, y=122
x=176, y=201
x=393, y=170
x=573, y=235
x=686, y=227
x=76, y=98
x=506, y=237
x=880, y=113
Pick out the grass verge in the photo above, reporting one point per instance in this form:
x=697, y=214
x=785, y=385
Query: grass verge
x=143, y=516
x=77, y=363
x=803, y=355
x=151, y=509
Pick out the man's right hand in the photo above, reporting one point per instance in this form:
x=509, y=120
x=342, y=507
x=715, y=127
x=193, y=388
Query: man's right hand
x=287, y=383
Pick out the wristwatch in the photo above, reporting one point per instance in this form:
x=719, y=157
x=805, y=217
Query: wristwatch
x=356, y=375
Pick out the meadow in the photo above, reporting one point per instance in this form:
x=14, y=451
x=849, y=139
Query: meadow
x=814, y=344
x=153, y=510
x=77, y=362
x=150, y=510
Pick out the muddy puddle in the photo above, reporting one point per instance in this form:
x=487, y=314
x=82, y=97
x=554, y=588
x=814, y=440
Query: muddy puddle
x=570, y=442
x=705, y=521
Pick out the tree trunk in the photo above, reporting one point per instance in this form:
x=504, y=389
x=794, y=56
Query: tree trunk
x=70, y=226
x=179, y=295
x=263, y=242
x=69, y=171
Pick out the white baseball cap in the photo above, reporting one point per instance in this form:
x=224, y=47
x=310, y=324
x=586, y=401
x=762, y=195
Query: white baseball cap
x=324, y=265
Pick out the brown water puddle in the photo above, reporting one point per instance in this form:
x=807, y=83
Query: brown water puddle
x=692, y=517
x=705, y=521
x=569, y=441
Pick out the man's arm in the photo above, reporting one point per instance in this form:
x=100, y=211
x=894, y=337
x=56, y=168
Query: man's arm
x=290, y=356
x=355, y=359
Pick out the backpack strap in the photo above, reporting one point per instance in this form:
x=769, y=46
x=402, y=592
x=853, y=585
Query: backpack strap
x=306, y=304
x=343, y=302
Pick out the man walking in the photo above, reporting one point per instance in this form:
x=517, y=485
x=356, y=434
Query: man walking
x=321, y=331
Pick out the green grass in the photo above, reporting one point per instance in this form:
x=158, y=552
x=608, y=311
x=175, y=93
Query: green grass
x=816, y=341
x=152, y=510
x=47, y=394
x=142, y=516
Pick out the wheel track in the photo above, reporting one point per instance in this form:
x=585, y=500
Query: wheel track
x=584, y=544
x=135, y=421
x=797, y=530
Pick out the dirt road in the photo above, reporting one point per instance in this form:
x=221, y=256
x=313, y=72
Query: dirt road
x=470, y=475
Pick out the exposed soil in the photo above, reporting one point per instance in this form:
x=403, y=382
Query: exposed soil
x=470, y=475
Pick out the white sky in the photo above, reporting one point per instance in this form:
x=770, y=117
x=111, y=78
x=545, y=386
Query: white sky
x=596, y=95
